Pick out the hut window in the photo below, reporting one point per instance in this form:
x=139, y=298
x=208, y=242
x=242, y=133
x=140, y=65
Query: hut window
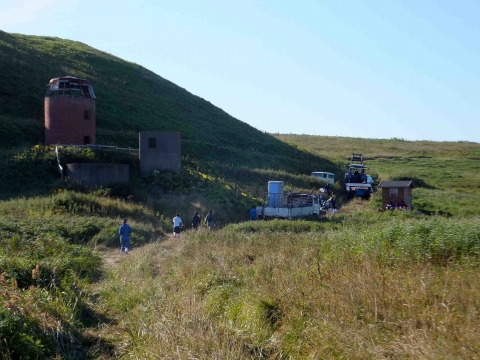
x=86, y=115
x=393, y=192
x=86, y=140
x=152, y=143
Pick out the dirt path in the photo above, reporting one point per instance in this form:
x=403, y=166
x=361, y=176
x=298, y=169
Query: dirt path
x=107, y=340
x=165, y=248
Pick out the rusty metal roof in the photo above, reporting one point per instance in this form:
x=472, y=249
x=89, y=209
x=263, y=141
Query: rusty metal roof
x=70, y=86
x=68, y=78
x=397, y=184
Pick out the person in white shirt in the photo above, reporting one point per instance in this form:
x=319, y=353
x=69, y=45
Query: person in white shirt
x=177, y=224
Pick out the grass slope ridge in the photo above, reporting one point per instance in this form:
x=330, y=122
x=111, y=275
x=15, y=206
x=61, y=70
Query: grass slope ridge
x=130, y=99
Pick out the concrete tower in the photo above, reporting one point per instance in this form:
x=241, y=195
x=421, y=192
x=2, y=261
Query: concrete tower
x=69, y=112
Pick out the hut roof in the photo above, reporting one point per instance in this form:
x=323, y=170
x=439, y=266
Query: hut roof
x=397, y=184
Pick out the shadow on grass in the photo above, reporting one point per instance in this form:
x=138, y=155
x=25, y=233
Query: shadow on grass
x=420, y=183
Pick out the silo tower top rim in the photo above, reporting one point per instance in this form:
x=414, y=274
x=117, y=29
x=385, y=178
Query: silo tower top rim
x=69, y=79
x=70, y=86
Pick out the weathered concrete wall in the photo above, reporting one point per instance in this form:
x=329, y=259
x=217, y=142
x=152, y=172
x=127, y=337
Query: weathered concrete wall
x=166, y=155
x=95, y=174
x=65, y=121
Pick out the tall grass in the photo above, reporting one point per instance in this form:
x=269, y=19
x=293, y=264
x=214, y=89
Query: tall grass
x=45, y=268
x=362, y=289
x=44, y=304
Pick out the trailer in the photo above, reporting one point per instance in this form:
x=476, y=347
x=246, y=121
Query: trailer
x=289, y=205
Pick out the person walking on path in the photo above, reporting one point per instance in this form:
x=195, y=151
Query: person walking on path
x=177, y=224
x=332, y=200
x=210, y=220
x=124, y=231
x=253, y=213
x=195, y=221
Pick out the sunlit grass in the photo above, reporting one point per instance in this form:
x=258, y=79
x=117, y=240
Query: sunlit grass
x=359, y=290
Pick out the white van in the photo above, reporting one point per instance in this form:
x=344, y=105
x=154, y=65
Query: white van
x=324, y=176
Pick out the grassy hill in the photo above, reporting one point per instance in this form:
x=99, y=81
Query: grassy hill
x=130, y=99
x=359, y=283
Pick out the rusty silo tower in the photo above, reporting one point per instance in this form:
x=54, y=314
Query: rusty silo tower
x=69, y=112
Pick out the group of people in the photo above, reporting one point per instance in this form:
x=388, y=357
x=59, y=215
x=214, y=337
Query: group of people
x=125, y=230
x=396, y=206
x=178, y=224
x=256, y=213
x=330, y=202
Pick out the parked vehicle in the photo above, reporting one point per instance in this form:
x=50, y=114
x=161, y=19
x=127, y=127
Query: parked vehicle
x=360, y=190
x=289, y=205
x=326, y=177
x=357, y=182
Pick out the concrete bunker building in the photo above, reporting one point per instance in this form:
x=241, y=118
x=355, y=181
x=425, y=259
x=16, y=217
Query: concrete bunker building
x=160, y=150
x=69, y=111
x=94, y=175
x=70, y=119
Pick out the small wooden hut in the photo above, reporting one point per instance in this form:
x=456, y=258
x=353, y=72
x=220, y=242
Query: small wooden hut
x=397, y=191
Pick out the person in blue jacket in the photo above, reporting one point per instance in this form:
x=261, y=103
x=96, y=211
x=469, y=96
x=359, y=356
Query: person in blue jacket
x=125, y=231
x=253, y=213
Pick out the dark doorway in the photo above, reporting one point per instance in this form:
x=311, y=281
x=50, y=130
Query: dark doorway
x=86, y=140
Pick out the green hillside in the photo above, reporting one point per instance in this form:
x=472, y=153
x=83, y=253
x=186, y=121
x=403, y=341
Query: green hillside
x=130, y=99
x=447, y=174
x=356, y=284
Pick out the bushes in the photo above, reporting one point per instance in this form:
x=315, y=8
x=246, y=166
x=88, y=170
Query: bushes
x=53, y=258
x=21, y=337
x=42, y=284
x=35, y=170
x=407, y=235
x=438, y=240
x=46, y=267
x=295, y=226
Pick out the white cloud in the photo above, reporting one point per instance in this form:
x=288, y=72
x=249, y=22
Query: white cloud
x=24, y=11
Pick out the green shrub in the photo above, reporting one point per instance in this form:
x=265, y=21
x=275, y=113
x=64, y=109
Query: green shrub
x=22, y=337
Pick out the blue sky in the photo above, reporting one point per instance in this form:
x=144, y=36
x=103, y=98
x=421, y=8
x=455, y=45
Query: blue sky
x=372, y=69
